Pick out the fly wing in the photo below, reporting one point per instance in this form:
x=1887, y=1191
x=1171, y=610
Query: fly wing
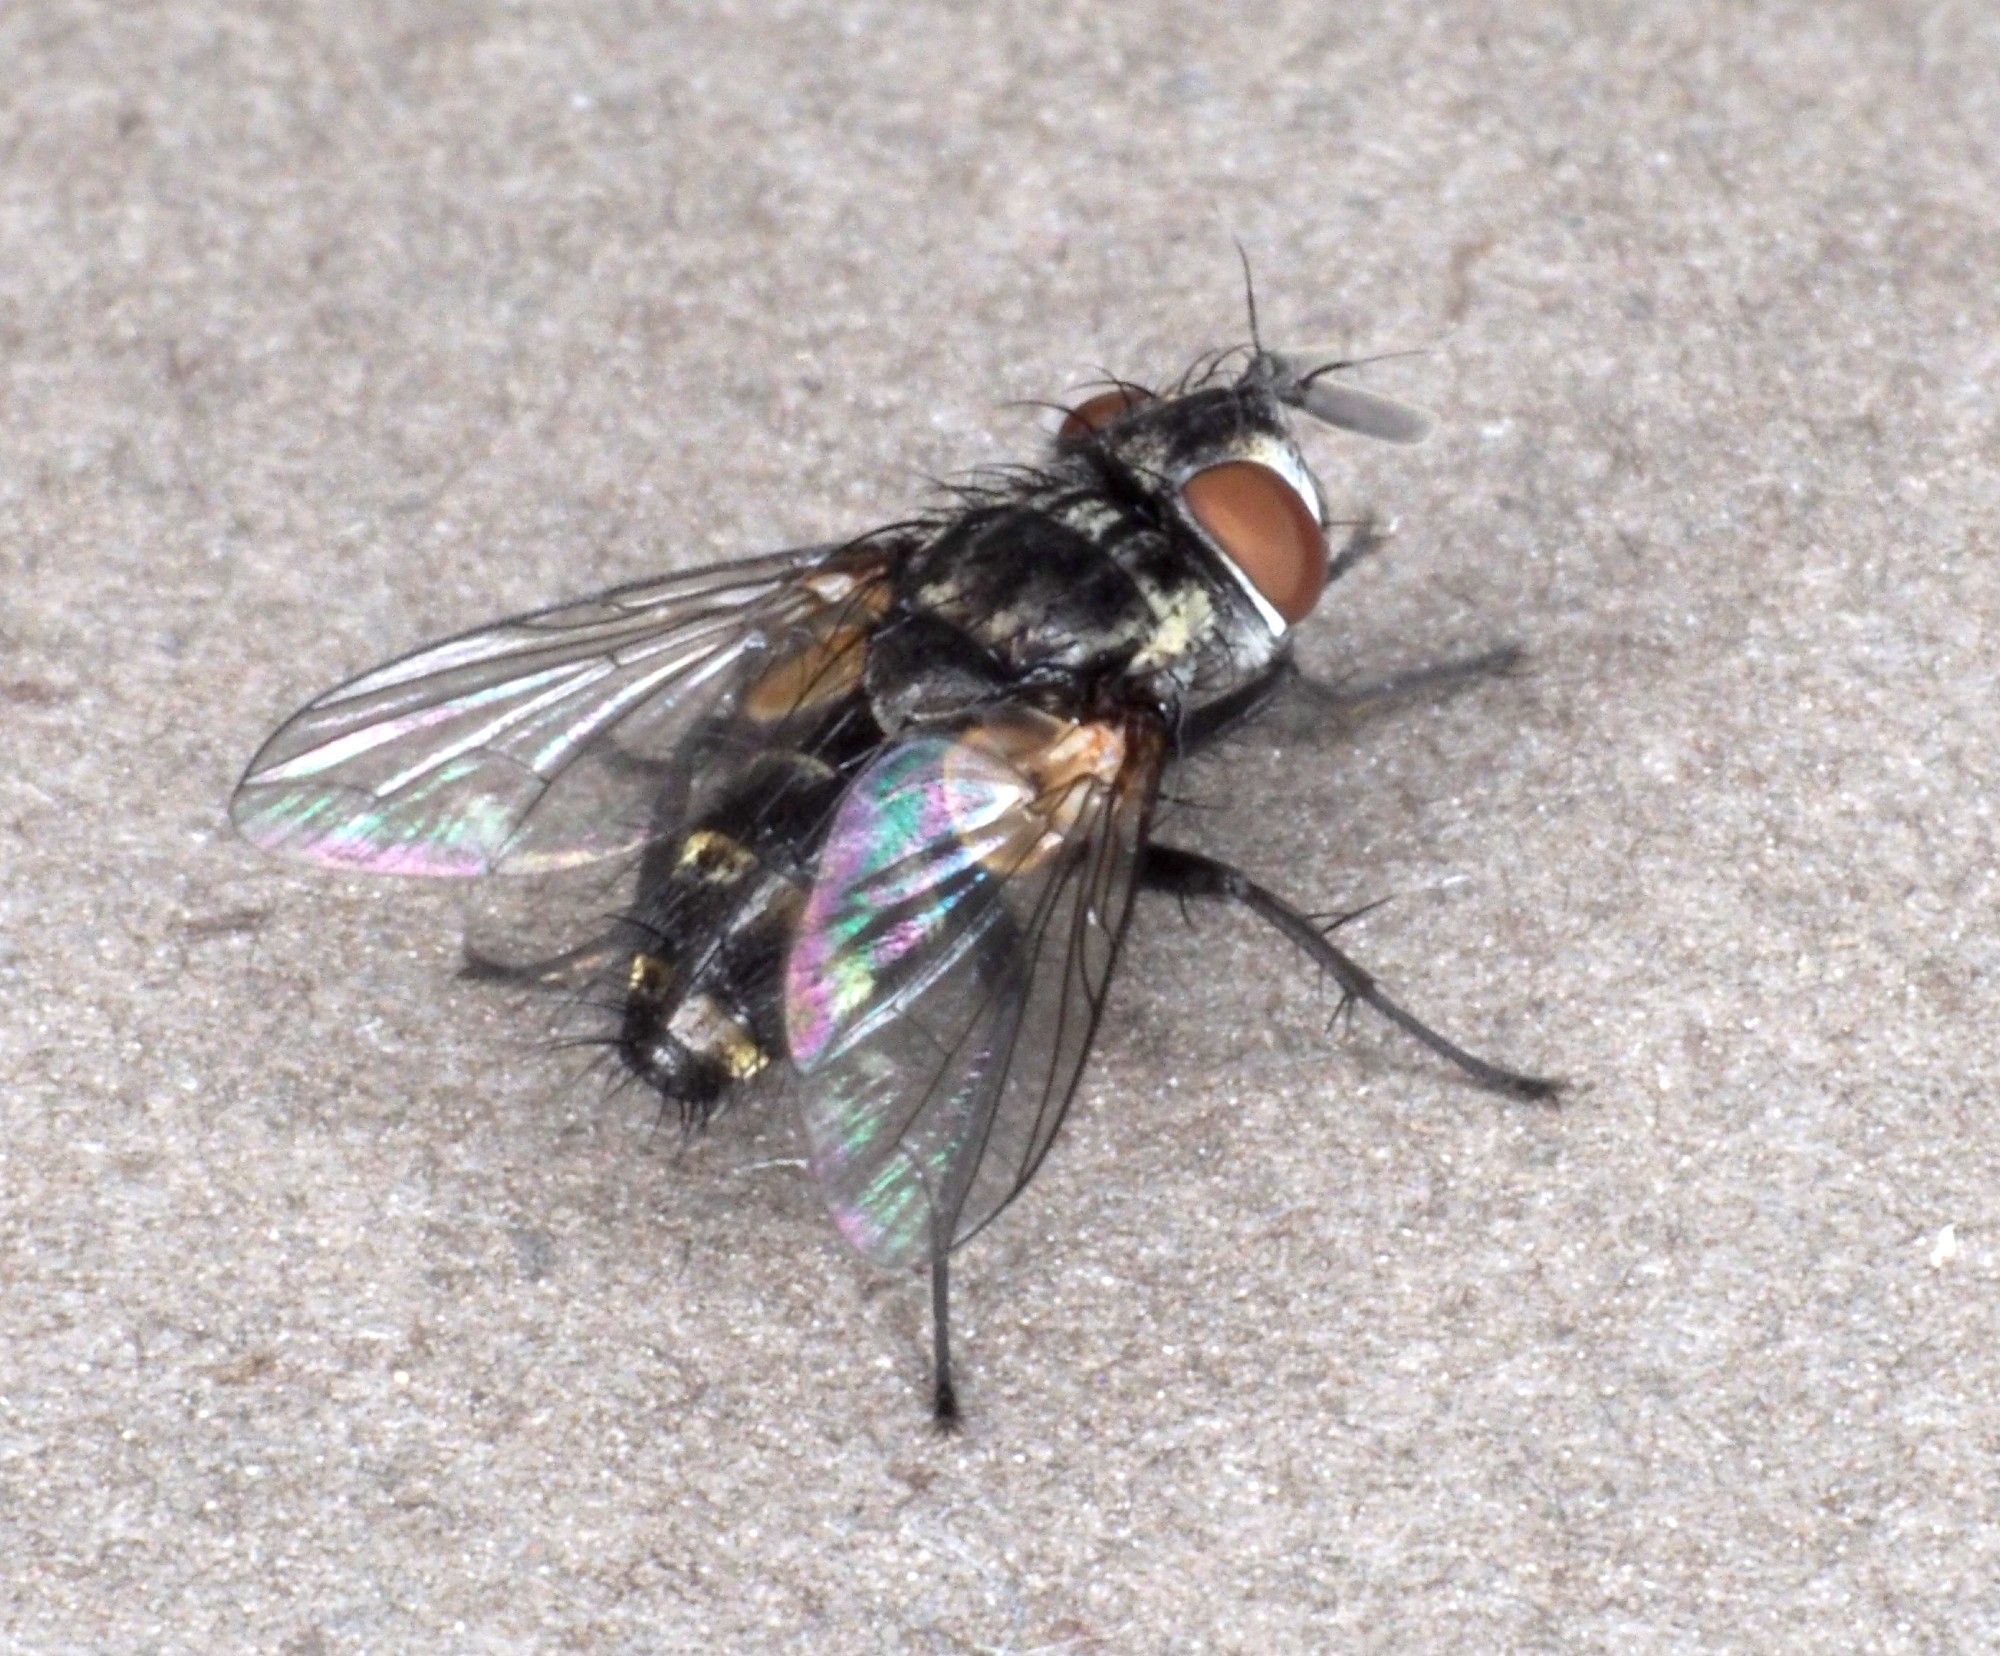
x=951, y=961
x=535, y=743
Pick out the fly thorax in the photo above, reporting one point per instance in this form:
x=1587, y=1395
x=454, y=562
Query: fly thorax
x=1035, y=584
x=1183, y=610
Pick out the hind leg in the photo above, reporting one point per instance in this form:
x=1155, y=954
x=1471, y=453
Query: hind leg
x=568, y=969
x=1189, y=874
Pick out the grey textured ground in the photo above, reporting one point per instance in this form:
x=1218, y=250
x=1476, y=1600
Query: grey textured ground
x=335, y=1319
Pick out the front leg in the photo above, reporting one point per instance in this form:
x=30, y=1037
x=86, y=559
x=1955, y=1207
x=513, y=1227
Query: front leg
x=1364, y=540
x=1186, y=874
x=1497, y=662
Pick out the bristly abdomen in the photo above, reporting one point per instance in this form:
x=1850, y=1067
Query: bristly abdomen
x=713, y=915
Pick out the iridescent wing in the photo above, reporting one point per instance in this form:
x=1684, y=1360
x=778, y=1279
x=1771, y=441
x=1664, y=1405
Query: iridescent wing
x=526, y=746
x=947, y=972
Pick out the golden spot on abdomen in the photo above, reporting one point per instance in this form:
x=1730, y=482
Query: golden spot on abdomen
x=709, y=854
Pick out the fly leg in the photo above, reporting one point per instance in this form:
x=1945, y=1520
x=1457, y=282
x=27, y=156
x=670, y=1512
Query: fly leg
x=944, y=1396
x=1189, y=874
x=556, y=969
x=1240, y=706
x=1419, y=681
x=1228, y=713
x=1364, y=540
x=1205, y=724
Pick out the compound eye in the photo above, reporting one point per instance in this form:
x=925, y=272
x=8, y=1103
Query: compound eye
x=1265, y=529
x=1106, y=408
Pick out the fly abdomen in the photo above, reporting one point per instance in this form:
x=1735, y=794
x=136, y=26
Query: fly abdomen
x=709, y=931
x=681, y=1040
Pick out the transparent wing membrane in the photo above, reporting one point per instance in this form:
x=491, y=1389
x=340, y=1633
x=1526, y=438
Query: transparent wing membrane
x=949, y=968
x=536, y=743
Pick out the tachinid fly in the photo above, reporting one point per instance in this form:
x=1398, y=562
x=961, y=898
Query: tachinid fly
x=888, y=800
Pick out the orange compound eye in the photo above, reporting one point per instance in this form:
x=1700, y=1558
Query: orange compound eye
x=1266, y=530
x=1095, y=413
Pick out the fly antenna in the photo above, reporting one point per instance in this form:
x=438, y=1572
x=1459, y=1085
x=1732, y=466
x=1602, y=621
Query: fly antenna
x=1249, y=297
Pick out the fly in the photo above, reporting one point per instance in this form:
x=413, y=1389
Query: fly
x=888, y=801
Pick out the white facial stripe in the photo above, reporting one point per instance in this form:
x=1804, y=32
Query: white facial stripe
x=1279, y=627
x=1272, y=619
x=1282, y=460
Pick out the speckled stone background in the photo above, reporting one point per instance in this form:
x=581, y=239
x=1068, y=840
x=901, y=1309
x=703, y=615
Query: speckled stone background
x=336, y=1317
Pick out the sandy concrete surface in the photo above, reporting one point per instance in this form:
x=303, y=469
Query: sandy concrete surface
x=337, y=1316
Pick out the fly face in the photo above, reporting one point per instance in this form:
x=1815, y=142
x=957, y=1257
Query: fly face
x=887, y=803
